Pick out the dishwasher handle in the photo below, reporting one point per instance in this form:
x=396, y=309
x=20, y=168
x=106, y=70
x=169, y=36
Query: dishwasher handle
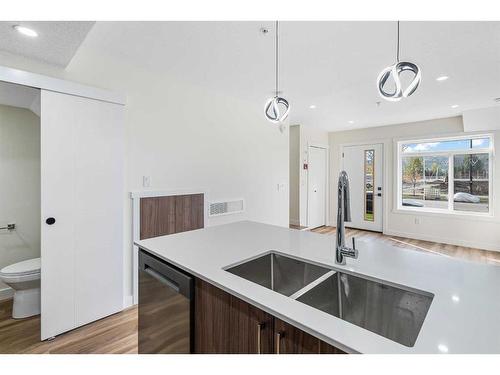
x=162, y=279
x=168, y=275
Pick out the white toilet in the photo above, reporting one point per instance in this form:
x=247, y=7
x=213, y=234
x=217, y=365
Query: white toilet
x=24, y=278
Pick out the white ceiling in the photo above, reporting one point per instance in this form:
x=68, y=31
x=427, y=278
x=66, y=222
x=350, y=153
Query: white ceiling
x=333, y=65
x=339, y=64
x=56, y=43
x=20, y=96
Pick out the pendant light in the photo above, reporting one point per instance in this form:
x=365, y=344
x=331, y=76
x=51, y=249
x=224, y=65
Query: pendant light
x=277, y=108
x=395, y=71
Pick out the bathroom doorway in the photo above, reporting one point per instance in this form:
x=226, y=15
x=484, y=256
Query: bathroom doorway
x=20, y=229
x=80, y=223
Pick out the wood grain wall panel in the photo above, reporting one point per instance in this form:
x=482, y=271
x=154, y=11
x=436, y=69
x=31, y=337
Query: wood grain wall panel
x=171, y=214
x=189, y=212
x=157, y=216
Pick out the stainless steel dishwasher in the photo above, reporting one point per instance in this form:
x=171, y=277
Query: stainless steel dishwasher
x=166, y=296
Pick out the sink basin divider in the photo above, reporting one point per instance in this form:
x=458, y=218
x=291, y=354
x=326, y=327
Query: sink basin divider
x=308, y=287
x=393, y=311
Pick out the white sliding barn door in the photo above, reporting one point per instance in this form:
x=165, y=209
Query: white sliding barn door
x=82, y=154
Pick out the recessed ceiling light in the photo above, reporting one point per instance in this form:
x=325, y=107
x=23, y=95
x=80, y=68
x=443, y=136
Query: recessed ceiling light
x=25, y=31
x=443, y=348
x=351, y=121
x=312, y=106
x=442, y=78
x=454, y=106
x=455, y=298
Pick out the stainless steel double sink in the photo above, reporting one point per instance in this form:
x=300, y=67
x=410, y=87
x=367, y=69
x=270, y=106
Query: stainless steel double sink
x=394, y=312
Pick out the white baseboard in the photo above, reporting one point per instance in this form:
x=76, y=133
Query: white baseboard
x=417, y=236
x=6, y=293
x=128, y=301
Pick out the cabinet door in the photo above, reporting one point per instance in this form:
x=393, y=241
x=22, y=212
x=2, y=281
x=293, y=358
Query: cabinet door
x=325, y=348
x=212, y=319
x=251, y=329
x=291, y=340
x=225, y=324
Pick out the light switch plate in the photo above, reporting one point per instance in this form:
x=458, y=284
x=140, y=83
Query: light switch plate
x=146, y=181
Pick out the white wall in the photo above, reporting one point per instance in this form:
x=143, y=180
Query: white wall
x=295, y=167
x=184, y=135
x=482, y=119
x=19, y=185
x=459, y=230
x=308, y=135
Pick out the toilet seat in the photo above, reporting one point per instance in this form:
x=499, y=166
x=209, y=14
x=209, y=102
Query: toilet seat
x=26, y=268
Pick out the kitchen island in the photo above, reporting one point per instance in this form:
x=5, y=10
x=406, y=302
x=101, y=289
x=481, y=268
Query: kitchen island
x=463, y=317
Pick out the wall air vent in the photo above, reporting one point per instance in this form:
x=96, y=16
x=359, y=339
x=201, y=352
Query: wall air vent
x=225, y=207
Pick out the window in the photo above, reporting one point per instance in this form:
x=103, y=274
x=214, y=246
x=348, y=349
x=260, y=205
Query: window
x=369, y=178
x=445, y=175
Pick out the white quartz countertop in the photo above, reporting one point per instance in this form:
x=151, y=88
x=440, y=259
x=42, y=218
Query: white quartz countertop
x=464, y=316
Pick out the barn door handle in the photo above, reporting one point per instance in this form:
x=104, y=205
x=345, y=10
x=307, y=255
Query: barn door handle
x=50, y=221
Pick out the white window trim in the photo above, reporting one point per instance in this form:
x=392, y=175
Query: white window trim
x=449, y=212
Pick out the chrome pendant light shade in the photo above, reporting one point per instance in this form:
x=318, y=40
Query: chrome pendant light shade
x=394, y=71
x=277, y=108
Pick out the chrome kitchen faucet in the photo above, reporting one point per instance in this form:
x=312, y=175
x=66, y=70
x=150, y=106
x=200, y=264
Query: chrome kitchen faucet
x=343, y=214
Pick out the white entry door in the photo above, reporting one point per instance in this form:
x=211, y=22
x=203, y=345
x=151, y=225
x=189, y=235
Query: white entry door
x=82, y=153
x=317, y=187
x=364, y=167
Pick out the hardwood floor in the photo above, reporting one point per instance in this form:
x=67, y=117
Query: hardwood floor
x=114, y=334
x=468, y=253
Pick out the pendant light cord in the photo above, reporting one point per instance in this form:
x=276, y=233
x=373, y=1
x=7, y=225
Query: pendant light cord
x=397, y=48
x=277, y=57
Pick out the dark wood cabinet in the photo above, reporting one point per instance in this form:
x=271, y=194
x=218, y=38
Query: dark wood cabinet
x=325, y=348
x=212, y=309
x=251, y=329
x=225, y=324
x=291, y=340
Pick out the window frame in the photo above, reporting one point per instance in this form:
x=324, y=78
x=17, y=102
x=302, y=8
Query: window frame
x=450, y=154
